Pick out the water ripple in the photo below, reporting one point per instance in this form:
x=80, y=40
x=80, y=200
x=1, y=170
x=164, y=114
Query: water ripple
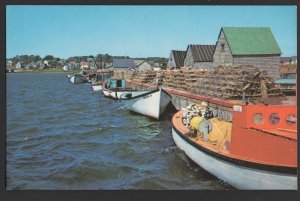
x=64, y=136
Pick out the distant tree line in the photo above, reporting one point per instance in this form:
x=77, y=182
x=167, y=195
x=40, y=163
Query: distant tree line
x=26, y=59
x=99, y=58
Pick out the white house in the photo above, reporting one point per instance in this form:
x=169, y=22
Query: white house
x=18, y=65
x=65, y=68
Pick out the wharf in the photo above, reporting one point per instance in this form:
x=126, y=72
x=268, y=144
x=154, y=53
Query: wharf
x=181, y=99
x=221, y=88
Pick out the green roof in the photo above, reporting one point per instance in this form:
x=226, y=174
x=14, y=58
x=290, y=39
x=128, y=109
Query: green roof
x=251, y=40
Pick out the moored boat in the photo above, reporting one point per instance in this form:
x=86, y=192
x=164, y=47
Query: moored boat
x=115, y=88
x=97, y=87
x=256, y=150
x=150, y=103
x=99, y=79
x=77, y=79
x=105, y=92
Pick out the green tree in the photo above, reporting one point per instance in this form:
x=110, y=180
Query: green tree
x=49, y=57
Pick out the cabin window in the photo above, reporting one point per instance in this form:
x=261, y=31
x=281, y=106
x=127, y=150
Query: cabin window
x=258, y=118
x=274, y=118
x=119, y=83
x=291, y=119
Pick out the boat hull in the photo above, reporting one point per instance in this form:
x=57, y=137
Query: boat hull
x=77, y=79
x=106, y=92
x=238, y=176
x=151, y=104
x=97, y=87
x=118, y=94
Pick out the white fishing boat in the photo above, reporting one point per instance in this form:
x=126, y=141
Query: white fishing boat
x=150, y=103
x=77, y=79
x=97, y=87
x=106, y=92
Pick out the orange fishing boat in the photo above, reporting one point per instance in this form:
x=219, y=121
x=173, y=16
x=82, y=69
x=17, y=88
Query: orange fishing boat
x=257, y=149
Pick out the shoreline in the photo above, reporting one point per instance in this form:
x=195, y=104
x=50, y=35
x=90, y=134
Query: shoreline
x=44, y=71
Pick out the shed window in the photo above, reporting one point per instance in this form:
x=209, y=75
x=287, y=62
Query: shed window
x=222, y=47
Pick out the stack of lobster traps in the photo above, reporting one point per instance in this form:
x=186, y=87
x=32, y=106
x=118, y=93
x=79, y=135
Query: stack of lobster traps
x=237, y=83
x=144, y=76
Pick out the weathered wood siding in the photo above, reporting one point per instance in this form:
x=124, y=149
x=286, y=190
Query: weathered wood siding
x=189, y=62
x=203, y=65
x=189, y=59
x=171, y=61
x=269, y=63
x=222, y=56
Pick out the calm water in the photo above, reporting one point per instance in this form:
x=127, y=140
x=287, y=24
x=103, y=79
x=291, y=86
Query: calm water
x=65, y=136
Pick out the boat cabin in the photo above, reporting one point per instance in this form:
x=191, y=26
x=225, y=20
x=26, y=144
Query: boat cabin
x=116, y=84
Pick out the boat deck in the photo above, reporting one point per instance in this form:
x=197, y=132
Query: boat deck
x=222, y=149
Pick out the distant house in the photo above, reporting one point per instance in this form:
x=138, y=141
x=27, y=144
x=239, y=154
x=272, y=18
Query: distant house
x=142, y=65
x=123, y=64
x=285, y=60
x=176, y=59
x=84, y=65
x=19, y=65
x=73, y=65
x=248, y=46
x=40, y=64
x=9, y=63
x=199, y=56
x=66, y=68
x=92, y=65
x=31, y=65
x=46, y=62
x=72, y=62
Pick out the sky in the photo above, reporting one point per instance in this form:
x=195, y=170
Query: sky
x=136, y=31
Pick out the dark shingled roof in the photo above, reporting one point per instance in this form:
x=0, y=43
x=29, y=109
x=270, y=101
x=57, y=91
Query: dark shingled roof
x=123, y=63
x=179, y=57
x=202, y=53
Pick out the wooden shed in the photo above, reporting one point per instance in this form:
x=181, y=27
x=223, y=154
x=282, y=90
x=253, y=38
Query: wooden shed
x=248, y=46
x=142, y=65
x=176, y=59
x=199, y=56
